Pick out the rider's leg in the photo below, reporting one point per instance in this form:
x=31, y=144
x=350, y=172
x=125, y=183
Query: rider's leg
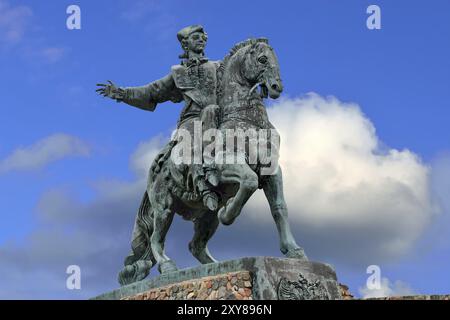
x=200, y=171
x=210, y=121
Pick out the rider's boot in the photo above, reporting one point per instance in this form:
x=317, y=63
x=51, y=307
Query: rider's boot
x=211, y=175
x=210, y=197
x=211, y=200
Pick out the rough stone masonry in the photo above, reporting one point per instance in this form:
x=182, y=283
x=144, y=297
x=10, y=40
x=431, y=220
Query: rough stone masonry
x=231, y=286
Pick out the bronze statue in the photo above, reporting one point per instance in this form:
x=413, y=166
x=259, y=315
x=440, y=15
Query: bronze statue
x=221, y=95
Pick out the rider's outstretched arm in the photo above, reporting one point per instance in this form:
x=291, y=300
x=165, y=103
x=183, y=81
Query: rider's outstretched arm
x=148, y=96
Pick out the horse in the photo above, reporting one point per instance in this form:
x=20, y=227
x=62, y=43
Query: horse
x=250, y=65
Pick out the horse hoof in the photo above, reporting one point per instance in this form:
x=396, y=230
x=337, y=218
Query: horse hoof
x=167, y=266
x=135, y=272
x=127, y=275
x=297, y=253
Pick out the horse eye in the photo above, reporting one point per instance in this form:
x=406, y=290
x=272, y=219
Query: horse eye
x=262, y=59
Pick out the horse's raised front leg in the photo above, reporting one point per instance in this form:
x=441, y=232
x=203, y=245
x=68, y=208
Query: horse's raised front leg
x=162, y=219
x=247, y=180
x=204, y=229
x=273, y=189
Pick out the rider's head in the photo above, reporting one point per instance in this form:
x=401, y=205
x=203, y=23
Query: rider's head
x=193, y=39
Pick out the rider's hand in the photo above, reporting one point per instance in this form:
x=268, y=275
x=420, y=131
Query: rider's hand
x=111, y=91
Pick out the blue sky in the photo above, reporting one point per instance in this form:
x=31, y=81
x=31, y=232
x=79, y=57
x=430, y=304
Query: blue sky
x=398, y=75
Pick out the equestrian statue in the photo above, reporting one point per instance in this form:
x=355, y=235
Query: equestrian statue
x=223, y=96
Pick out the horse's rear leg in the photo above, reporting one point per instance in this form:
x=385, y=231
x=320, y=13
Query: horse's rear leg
x=248, y=184
x=204, y=228
x=273, y=189
x=162, y=220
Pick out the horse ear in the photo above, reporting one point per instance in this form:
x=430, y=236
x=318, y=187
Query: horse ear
x=256, y=42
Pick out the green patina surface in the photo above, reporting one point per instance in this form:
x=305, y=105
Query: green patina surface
x=221, y=96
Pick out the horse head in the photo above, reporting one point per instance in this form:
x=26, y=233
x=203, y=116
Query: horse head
x=261, y=68
x=255, y=63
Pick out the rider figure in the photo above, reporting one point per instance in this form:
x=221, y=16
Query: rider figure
x=194, y=80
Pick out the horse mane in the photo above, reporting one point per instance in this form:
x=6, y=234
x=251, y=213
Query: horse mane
x=240, y=45
x=232, y=52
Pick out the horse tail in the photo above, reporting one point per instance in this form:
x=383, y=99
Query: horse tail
x=138, y=263
x=160, y=160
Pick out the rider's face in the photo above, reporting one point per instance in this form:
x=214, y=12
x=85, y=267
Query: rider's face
x=196, y=42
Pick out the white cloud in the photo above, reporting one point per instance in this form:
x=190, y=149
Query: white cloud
x=440, y=183
x=144, y=155
x=388, y=289
x=20, y=30
x=43, y=152
x=343, y=190
x=13, y=22
x=92, y=234
x=349, y=199
x=52, y=54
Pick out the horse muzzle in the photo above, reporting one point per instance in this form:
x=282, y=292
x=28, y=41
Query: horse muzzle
x=274, y=88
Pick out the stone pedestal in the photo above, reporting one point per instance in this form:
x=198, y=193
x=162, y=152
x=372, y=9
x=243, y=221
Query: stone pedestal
x=253, y=278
